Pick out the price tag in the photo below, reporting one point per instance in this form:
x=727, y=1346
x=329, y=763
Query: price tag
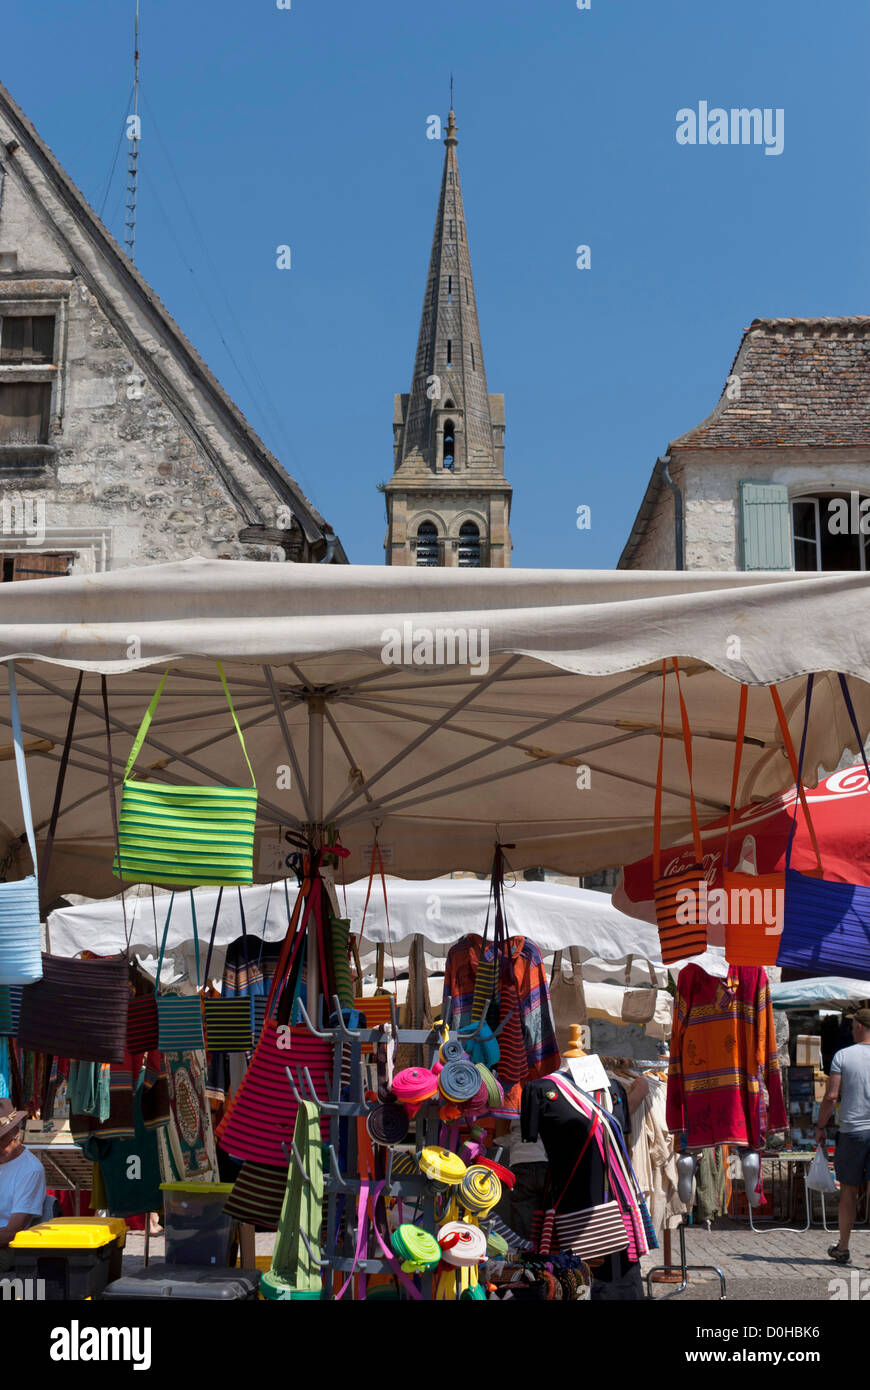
x=588, y=1073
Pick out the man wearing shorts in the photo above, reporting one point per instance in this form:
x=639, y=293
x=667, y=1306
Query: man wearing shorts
x=849, y=1083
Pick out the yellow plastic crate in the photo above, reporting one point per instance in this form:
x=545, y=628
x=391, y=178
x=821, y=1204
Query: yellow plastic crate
x=51, y=1235
x=116, y=1224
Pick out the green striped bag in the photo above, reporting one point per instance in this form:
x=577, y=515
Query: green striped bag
x=185, y=836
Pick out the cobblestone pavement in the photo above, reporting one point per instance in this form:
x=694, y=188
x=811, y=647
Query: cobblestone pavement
x=766, y=1265
x=761, y=1266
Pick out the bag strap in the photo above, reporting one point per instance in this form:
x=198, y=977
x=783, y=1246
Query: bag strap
x=377, y=857
x=195, y=938
x=217, y=913
x=20, y=765
x=687, y=746
x=289, y=946
x=590, y=1136
x=807, y=703
x=163, y=943
x=738, y=756
x=150, y=712
x=58, y=791
x=796, y=769
x=844, y=686
x=113, y=807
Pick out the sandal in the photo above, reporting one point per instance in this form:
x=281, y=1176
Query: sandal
x=840, y=1257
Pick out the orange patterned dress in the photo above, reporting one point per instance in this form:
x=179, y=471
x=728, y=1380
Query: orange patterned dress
x=723, y=1057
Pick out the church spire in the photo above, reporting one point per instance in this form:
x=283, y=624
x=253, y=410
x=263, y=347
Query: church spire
x=448, y=429
x=449, y=371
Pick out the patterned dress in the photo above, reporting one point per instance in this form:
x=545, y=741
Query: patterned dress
x=723, y=1056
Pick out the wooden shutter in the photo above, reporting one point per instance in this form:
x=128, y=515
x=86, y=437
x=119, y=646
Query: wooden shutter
x=24, y=412
x=765, y=527
x=27, y=566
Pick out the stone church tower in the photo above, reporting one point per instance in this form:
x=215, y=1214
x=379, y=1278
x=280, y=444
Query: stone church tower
x=448, y=502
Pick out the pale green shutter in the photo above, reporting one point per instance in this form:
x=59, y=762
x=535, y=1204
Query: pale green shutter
x=765, y=530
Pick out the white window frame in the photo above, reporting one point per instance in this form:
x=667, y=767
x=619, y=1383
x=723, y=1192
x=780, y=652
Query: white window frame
x=817, y=498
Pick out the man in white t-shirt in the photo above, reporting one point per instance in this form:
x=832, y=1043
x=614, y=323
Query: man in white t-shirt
x=22, y=1181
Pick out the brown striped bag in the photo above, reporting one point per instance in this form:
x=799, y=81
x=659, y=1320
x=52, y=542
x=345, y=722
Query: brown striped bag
x=593, y=1232
x=682, y=920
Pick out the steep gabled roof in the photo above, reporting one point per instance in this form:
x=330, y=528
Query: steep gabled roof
x=801, y=382
x=124, y=279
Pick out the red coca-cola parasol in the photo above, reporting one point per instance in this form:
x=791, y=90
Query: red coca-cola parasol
x=840, y=810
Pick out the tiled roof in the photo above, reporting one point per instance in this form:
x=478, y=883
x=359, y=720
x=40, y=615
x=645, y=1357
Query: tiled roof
x=802, y=381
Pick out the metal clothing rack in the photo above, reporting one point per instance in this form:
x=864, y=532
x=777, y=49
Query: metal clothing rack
x=683, y=1270
x=338, y=1255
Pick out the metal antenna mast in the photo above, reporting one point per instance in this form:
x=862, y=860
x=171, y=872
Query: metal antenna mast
x=133, y=132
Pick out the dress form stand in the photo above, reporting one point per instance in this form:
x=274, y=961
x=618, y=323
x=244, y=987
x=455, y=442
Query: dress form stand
x=667, y=1273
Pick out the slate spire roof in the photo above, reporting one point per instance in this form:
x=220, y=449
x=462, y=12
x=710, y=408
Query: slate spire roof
x=449, y=345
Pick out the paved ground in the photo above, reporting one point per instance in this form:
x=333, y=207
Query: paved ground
x=768, y=1266
x=758, y=1266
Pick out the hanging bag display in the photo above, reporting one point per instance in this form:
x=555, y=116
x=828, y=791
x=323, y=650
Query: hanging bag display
x=142, y=1024
x=79, y=1007
x=179, y=1016
x=826, y=928
x=229, y=1023
x=756, y=902
x=77, y=1010
x=183, y=836
x=258, y=1120
x=682, y=920
x=20, y=933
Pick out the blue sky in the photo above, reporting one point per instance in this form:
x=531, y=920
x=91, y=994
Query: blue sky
x=307, y=127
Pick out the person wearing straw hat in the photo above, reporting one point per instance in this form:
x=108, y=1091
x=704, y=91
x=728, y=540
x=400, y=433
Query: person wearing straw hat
x=22, y=1181
x=849, y=1083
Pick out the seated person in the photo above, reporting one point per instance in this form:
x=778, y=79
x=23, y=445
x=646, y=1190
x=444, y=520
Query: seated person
x=22, y=1182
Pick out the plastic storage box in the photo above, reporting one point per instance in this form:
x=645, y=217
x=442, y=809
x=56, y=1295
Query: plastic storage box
x=116, y=1224
x=75, y=1260
x=198, y=1232
x=184, y=1282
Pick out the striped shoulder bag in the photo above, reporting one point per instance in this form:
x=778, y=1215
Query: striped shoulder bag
x=184, y=836
x=826, y=929
x=229, y=1023
x=594, y=1232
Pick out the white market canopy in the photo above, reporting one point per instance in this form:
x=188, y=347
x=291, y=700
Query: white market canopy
x=821, y=992
x=448, y=707
x=555, y=916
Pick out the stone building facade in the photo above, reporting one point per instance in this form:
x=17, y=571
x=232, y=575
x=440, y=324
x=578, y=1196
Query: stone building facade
x=118, y=446
x=778, y=475
x=448, y=502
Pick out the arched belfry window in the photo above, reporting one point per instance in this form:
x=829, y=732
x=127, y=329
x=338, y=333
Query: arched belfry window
x=469, y=545
x=427, y=544
x=449, y=458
